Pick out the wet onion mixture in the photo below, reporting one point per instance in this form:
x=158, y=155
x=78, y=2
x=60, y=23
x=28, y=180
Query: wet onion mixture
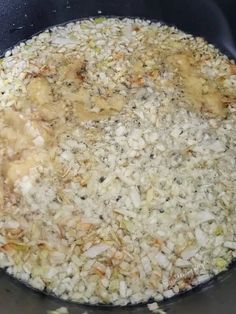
x=117, y=148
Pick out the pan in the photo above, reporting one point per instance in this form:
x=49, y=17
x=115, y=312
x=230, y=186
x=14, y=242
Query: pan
x=213, y=20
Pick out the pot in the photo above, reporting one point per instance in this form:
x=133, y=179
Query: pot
x=213, y=20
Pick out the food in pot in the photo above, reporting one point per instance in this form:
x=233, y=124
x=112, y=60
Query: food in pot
x=117, y=147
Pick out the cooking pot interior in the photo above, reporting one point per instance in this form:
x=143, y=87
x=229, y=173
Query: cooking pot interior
x=20, y=20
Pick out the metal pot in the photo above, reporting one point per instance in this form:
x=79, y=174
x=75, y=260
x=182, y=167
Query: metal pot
x=213, y=20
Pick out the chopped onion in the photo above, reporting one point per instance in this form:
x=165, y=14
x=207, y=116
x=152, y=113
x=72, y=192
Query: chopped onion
x=96, y=250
